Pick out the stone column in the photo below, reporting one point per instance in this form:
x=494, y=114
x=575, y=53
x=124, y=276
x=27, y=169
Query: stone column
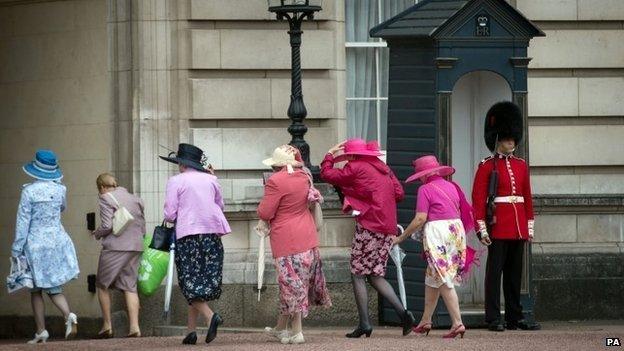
x=121, y=87
x=143, y=39
x=143, y=46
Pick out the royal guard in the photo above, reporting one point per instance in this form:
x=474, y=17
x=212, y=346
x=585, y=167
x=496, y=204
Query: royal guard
x=503, y=211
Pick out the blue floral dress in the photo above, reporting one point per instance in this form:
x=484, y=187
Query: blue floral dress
x=40, y=236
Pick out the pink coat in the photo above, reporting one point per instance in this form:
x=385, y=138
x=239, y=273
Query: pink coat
x=285, y=207
x=371, y=188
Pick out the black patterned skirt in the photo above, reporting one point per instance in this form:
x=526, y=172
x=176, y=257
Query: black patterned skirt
x=199, y=262
x=369, y=252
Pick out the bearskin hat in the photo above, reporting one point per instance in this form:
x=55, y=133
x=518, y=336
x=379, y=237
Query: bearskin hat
x=503, y=121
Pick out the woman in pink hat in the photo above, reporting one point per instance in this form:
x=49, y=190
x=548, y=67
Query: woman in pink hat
x=371, y=191
x=444, y=216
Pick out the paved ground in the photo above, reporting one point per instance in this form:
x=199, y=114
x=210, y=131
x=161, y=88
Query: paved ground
x=561, y=336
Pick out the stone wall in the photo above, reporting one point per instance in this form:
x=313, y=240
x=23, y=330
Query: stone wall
x=578, y=256
x=110, y=85
x=236, y=94
x=54, y=93
x=576, y=122
x=576, y=101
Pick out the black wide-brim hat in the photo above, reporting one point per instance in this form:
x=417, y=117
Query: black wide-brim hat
x=503, y=121
x=188, y=155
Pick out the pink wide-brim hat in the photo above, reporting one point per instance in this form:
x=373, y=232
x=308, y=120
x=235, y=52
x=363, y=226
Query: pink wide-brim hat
x=429, y=165
x=359, y=147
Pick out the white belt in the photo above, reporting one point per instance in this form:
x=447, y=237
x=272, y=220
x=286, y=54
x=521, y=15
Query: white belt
x=509, y=199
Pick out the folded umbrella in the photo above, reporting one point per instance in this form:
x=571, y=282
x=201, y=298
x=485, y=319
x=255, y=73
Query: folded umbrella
x=262, y=229
x=398, y=254
x=169, y=285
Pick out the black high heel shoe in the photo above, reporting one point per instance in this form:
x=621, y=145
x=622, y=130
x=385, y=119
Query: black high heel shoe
x=408, y=322
x=214, y=325
x=359, y=332
x=190, y=339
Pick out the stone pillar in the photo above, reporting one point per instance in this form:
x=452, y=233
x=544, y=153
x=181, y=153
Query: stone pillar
x=143, y=39
x=143, y=66
x=121, y=87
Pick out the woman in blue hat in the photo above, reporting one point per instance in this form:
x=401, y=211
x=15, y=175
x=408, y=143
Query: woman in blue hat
x=41, y=238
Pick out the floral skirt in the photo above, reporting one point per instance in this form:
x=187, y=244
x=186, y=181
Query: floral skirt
x=369, y=252
x=444, y=245
x=199, y=262
x=301, y=282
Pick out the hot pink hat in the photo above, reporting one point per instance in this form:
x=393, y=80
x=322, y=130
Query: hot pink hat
x=359, y=147
x=429, y=165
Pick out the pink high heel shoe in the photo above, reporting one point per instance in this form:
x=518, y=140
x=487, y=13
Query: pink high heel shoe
x=422, y=329
x=458, y=330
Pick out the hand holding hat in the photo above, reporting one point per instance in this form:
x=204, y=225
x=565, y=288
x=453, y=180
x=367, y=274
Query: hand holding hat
x=337, y=147
x=355, y=147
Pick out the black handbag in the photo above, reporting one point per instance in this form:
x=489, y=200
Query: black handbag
x=163, y=237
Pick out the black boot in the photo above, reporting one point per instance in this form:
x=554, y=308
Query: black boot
x=496, y=326
x=408, y=322
x=214, y=325
x=359, y=332
x=522, y=324
x=190, y=339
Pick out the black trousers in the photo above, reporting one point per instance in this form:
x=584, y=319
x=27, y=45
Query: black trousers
x=504, y=257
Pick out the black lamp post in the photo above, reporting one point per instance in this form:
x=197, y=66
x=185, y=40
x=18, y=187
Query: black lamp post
x=295, y=11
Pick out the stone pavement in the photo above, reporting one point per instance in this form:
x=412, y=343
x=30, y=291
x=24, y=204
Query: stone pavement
x=554, y=336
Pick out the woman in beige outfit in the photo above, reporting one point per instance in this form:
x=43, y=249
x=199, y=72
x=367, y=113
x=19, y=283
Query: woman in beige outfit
x=119, y=260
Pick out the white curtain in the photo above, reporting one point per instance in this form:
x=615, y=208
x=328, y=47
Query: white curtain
x=361, y=16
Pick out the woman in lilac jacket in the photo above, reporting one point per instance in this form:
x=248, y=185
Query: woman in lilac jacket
x=194, y=203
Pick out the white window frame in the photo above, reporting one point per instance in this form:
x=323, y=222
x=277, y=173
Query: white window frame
x=377, y=44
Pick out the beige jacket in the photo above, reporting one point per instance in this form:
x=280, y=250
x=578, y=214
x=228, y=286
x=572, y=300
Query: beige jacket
x=132, y=237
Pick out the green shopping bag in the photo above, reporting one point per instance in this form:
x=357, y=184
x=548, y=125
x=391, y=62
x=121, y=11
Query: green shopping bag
x=152, y=269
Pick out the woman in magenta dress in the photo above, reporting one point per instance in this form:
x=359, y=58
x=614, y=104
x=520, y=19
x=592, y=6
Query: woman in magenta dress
x=371, y=193
x=444, y=216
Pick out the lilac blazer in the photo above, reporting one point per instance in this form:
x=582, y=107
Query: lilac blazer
x=194, y=202
x=132, y=237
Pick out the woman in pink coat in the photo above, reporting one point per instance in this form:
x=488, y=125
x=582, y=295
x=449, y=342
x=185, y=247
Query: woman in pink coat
x=294, y=242
x=371, y=192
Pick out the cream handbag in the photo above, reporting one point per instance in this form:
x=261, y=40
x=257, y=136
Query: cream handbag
x=315, y=199
x=121, y=218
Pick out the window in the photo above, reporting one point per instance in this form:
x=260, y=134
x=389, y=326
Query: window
x=367, y=67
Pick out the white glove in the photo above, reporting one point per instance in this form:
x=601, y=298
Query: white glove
x=262, y=228
x=417, y=235
x=531, y=231
x=485, y=237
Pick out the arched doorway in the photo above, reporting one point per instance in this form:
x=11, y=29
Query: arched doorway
x=472, y=96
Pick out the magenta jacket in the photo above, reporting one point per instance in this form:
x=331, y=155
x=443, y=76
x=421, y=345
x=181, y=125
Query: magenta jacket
x=194, y=202
x=371, y=188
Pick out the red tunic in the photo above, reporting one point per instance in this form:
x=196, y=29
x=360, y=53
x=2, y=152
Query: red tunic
x=511, y=219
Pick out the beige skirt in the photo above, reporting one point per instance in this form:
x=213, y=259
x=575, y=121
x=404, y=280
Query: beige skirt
x=118, y=270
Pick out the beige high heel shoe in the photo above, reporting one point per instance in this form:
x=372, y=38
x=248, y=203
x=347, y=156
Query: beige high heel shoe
x=39, y=338
x=295, y=339
x=71, y=326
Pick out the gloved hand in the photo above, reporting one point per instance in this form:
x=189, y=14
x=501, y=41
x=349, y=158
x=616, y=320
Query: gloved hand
x=484, y=237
